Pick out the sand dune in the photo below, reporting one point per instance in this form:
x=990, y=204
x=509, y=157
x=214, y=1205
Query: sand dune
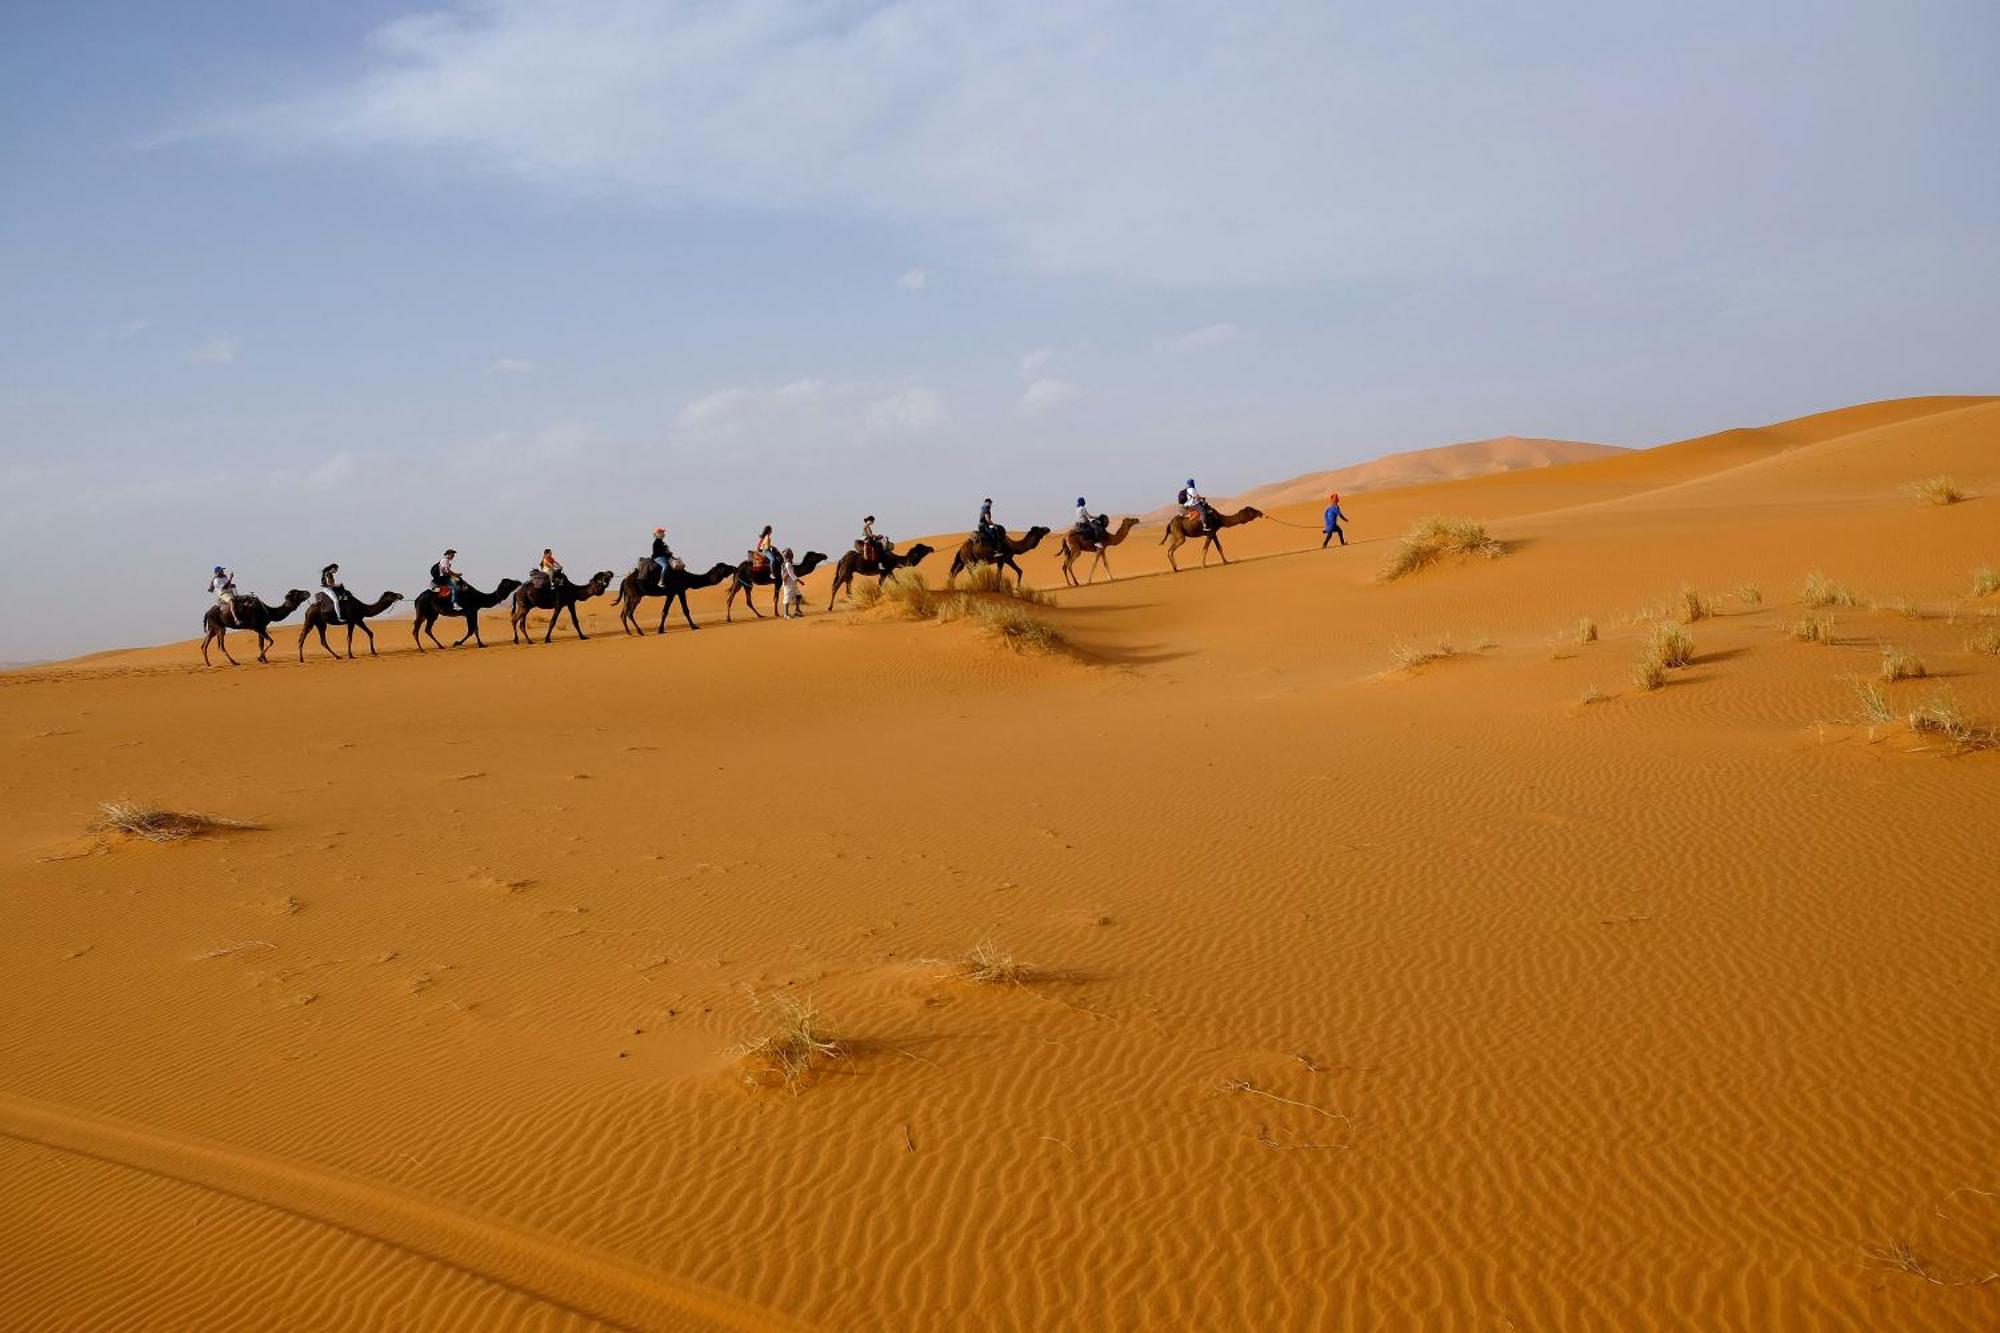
x=1417, y=467
x=1494, y=992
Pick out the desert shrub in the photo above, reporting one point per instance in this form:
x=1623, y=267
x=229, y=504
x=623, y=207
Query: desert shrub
x=1586, y=630
x=1899, y=665
x=1410, y=655
x=1749, y=594
x=1671, y=645
x=1874, y=703
x=1985, y=639
x=1016, y=626
x=1649, y=672
x=141, y=819
x=1985, y=582
x=1937, y=491
x=987, y=965
x=1940, y=718
x=794, y=1045
x=1818, y=590
x=991, y=581
x=1432, y=539
x=1690, y=605
x=1813, y=627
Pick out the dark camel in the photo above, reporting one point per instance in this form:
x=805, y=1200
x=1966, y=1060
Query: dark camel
x=973, y=551
x=853, y=562
x=746, y=579
x=645, y=581
x=352, y=614
x=252, y=613
x=431, y=605
x=1181, y=529
x=554, y=598
x=1075, y=544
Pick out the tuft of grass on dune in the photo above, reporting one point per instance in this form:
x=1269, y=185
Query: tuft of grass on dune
x=1985, y=581
x=1749, y=594
x=980, y=597
x=1585, y=631
x=1874, y=703
x=1690, y=605
x=1410, y=656
x=1900, y=665
x=1985, y=639
x=153, y=823
x=1672, y=645
x=795, y=1044
x=1819, y=591
x=985, y=964
x=1940, y=718
x=1813, y=627
x=1016, y=626
x=1434, y=539
x=1937, y=491
x=991, y=581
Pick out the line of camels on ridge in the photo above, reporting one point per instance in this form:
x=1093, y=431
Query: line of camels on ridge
x=559, y=598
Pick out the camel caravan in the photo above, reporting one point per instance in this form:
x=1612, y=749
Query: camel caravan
x=661, y=574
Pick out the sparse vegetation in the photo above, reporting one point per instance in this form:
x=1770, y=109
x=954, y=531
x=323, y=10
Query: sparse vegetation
x=1016, y=626
x=996, y=606
x=1899, y=665
x=1671, y=645
x=140, y=819
x=1690, y=605
x=986, y=965
x=795, y=1045
x=1749, y=594
x=1649, y=673
x=1985, y=639
x=1586, y=630
x=1818, y=590
x=1813, y=627
x=1874, y=703
x=1432, y=539
x=1590, y=695
x=1941, y=718
x=1937, y=491
x=991, y=581
x=1410, y=656
x=1985, y=581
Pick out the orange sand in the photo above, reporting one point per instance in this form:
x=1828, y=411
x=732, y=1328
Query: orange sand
x=1369, y=997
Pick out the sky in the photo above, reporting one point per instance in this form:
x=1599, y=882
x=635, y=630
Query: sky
x=289, y=284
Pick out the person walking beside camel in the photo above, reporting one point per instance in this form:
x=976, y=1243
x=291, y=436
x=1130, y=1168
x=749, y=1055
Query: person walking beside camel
x=1334, y=513
x=789, y=587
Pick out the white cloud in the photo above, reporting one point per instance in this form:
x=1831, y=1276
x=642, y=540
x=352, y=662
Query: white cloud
x=1045, y=396
x=511, y=365
x=813, y=411
x=218, y=350
x=1032, y=361
x=123, y=330
x=1209, y=335
x=1188, y=144
x=914, y=280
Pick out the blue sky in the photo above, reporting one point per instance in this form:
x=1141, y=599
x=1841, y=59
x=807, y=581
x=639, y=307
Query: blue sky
x=288, y=284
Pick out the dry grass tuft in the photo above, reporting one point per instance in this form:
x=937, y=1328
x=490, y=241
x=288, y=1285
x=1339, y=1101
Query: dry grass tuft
x=1016, y=626
x=1586, y=630
x=1942, y=719
x=1937, y=491
x=1690, y=605
x=987, y=965
x=1818, y=590
x=991, y=581
x=1899, y=665
x=1749, y=594
x=1671, y=645
x=1901, y=1258
x=1410, y=656
x=140, y=820
x=1985, y=581
x=1985, y=639
x=999, y=608
x=1874, y=703
x=1649, y=672
x=796, y=1044
x=1590, y=695
x=1432, y=539
x=1813, y=627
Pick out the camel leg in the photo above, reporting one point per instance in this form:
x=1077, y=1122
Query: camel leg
x=305, y=632
x=1007, y=563
x=215, y=636
x=1216, y=542
x=686, y=614
x=1105, y=561
x=417, y=631
x=573, y=623
x=471, y=631
x=371, y=641
x=1173, y=546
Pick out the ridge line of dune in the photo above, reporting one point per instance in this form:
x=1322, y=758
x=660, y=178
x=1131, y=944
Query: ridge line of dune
x=546, y=1268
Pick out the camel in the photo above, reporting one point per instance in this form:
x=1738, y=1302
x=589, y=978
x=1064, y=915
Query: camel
x=853, y=563
x=430, y=605
x=745, y=579
x=644, y=581
x=1075, y=544
x=972, y=552
x=555, y=598
x=353, y=614
x=252, y=613
x=1181, y=529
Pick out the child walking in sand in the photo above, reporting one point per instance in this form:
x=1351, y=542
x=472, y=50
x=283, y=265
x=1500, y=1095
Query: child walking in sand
x=1334, y=514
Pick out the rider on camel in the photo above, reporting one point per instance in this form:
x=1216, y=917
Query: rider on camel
x=663, y=555
x=991, y=535
x=551, y=569
x=445, y=580
x=761, y=553
x=1093, y=527
x=222, y=587
x=329, y=582
x=1197, y=507
x=872, y=546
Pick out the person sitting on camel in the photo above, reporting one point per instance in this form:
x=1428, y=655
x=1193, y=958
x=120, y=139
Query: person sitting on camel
x=1091, y=527
x=1197, y=506
x=761, y=553
x=991, y=535
x=445, y=580
x=550, y=569
x=872, y=546
x=222, y=587
x=663, y=555
x=329, y=583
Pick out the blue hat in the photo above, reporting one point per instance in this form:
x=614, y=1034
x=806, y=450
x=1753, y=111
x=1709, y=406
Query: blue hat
x=1079, y=500
x=1190, y=481
x=218, y=569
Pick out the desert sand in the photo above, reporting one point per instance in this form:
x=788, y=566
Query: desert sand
x=1419, y=467
x=1485, y=992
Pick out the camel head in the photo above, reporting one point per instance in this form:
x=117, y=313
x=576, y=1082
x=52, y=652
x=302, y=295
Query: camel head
x=1250, y=512
x=917, y=553
x=715, y=574
x=296, y=598
x=813, y=560
x=598, y=583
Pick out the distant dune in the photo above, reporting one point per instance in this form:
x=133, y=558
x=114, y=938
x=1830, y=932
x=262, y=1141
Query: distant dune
x=1418, y=467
